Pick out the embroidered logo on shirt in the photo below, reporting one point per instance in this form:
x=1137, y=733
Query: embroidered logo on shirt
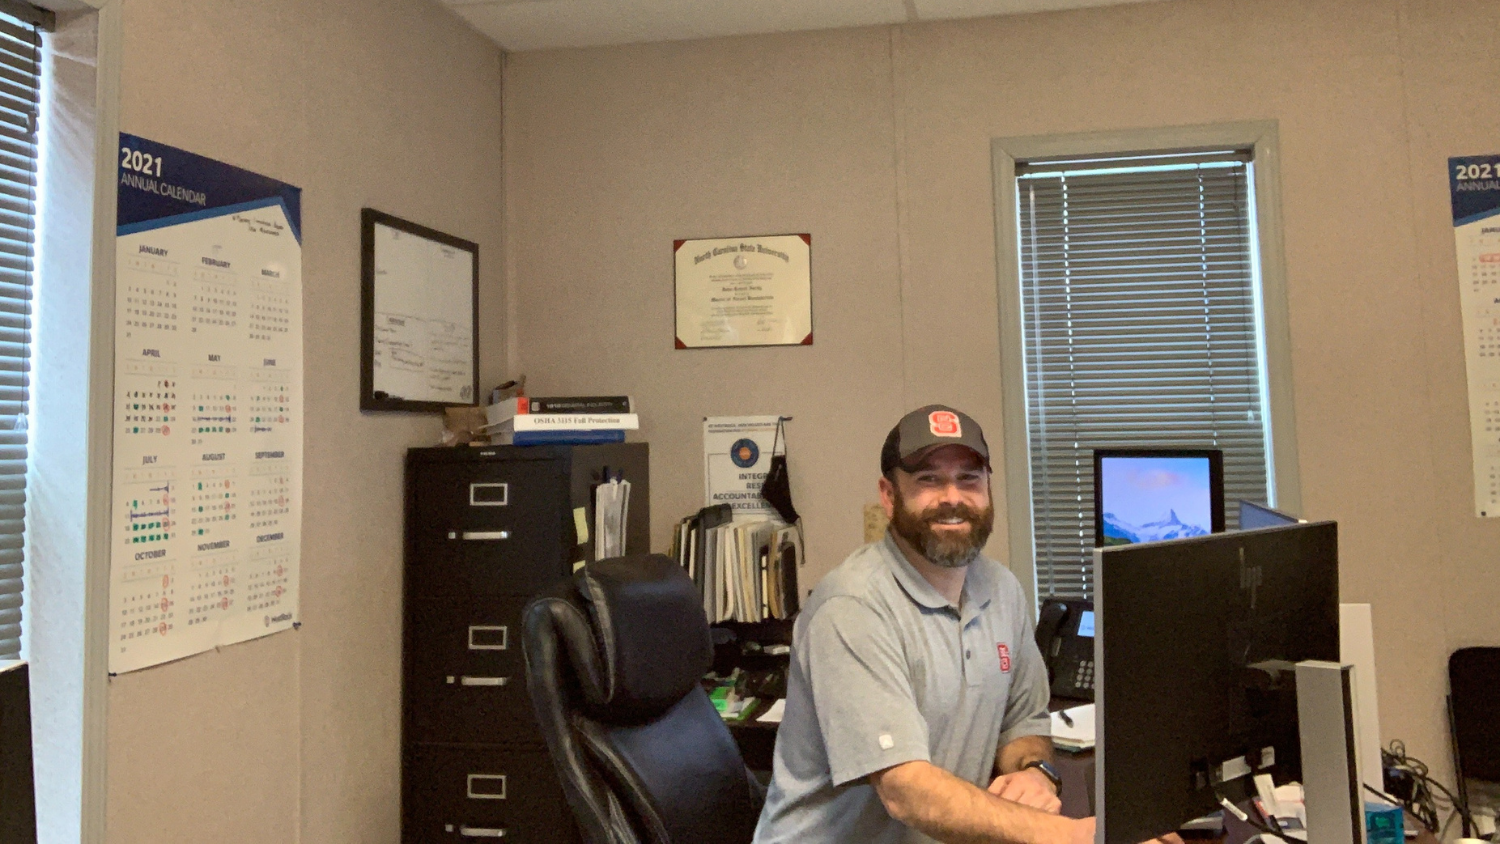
x=944, y=424
x=886, y=742
x=1004, y=657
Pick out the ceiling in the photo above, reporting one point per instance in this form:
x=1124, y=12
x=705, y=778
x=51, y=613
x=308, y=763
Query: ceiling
x=520, y=25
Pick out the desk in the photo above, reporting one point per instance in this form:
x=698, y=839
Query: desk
x=757, y=743
x=1237, y=832
x=1077, y=772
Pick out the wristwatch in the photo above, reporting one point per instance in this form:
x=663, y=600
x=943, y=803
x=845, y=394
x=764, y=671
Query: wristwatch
x=1047, y=771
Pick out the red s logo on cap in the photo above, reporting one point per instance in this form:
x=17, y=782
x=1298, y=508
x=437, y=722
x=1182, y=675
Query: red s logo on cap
x=944, y=423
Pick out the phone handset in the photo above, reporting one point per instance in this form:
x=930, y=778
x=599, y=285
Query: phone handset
x=1065, y=636
x=1054, y=613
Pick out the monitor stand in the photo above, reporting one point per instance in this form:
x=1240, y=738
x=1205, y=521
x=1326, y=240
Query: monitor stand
x=1331, y=782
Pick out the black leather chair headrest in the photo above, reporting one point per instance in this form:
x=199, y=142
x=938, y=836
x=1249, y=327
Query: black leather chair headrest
x=653, y=641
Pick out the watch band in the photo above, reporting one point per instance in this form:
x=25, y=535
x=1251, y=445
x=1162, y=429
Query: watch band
x=1047, y=771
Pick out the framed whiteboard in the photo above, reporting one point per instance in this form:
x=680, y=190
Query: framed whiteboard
x=419, y=337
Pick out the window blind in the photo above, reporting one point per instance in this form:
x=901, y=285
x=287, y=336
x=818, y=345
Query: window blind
x=1140, y=318
x=20, y=88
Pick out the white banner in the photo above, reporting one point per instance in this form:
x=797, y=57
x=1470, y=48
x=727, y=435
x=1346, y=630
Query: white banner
x=1474, y=184
x=207, y=507
x=736, y=456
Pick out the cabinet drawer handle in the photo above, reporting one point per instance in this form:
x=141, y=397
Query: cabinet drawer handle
x=466, y=680
x=482, y=637
x=479, y=535
x=487, y=786
x=489, y=495
x=481, y=832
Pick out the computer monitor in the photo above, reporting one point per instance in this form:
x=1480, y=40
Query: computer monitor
x=1194, y=654
x=17, y=795
x=1254, y=516
x=1154, y=494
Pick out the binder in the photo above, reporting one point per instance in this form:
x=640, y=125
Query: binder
x=707, y=519
x=599, y=437
x=788, y=559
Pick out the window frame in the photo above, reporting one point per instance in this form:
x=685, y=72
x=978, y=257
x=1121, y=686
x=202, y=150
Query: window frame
x=77, y=199
x=1261, y=138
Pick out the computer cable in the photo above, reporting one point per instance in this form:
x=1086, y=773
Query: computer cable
x=1416, y=790
x=1244, y=817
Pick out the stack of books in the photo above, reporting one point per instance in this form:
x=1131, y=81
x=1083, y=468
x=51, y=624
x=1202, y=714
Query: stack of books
x=568, y=420
x=745, y=571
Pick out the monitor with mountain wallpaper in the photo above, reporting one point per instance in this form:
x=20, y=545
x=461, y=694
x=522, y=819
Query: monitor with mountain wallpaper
x=1151, y=494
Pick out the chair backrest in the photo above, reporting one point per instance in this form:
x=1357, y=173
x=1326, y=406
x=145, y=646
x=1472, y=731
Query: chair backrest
x=1474, y=703
x=614, y=657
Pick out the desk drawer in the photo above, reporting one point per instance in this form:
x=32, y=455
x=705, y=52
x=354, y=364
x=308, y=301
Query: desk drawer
x=486, y=492
x=457, y=566
x=480, y=794
x=465, y=677
x=484, y=495
x=487, y=528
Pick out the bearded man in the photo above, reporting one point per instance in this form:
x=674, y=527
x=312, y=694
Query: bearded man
x=917, y=700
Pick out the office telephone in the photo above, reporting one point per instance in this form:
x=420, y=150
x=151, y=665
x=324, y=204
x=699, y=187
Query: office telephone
x=1065, y=636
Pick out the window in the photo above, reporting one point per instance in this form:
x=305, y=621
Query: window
x=1141, y=326
x=20, y=85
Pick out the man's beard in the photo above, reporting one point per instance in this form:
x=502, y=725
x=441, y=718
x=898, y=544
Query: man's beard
x=944, y=548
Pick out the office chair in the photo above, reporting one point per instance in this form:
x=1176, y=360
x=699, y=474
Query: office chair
x=1474, y=717
x=614, y=656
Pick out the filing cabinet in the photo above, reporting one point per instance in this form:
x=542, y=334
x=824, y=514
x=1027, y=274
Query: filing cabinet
x=486, y=530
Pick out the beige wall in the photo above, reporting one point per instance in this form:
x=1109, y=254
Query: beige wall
x=878, y=142
x=393, y=104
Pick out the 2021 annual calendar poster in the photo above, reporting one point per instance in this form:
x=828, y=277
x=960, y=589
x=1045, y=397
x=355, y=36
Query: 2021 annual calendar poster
x=1474, y=183
x=207, y=504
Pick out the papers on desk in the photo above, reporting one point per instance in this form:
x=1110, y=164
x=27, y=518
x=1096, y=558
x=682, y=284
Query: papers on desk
x=1290, y=809
x=1078, y=735
x=773, y=714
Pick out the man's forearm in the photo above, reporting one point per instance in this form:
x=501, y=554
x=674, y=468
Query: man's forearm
x=939, y=804
x=1013, y=756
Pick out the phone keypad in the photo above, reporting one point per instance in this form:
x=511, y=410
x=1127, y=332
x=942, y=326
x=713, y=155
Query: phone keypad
x=1084, y=678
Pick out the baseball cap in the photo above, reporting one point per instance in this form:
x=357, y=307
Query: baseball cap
x=927, y=427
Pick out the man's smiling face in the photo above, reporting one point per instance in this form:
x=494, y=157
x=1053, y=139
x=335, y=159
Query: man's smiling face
x=942, y=505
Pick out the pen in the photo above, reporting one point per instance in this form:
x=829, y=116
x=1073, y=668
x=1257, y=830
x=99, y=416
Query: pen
x=1063, y=714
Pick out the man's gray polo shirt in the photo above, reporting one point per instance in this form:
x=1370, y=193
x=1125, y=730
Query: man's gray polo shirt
x=885, y=671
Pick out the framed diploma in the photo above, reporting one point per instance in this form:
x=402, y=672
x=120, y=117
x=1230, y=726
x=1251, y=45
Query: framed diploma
x=419, y=341
x=744, y=291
